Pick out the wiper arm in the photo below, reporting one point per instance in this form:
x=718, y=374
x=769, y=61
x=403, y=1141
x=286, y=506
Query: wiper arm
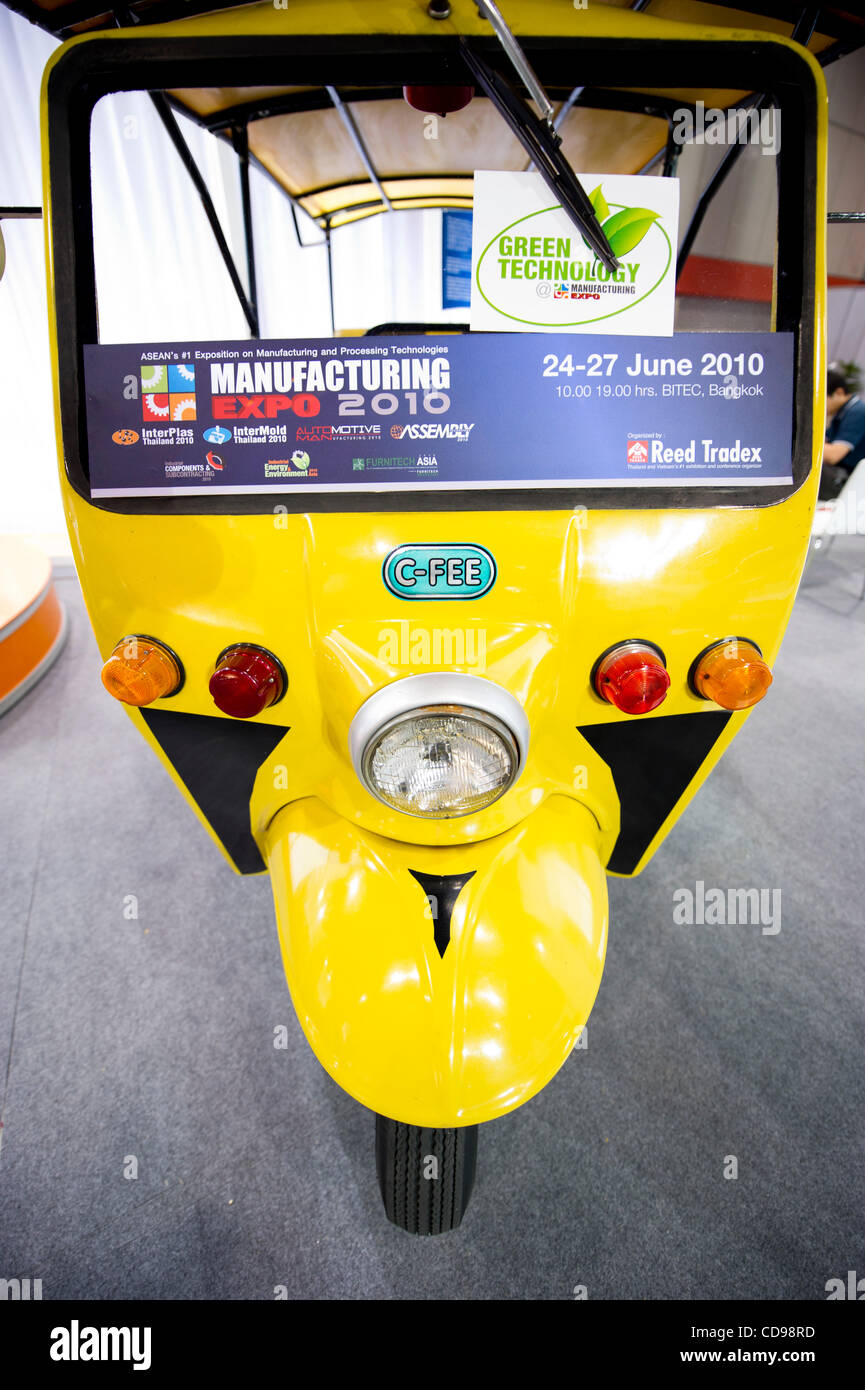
x=488, y=9
x=538, y=137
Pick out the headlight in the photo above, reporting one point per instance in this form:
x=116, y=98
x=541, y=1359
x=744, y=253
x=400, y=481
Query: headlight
x=439, y=746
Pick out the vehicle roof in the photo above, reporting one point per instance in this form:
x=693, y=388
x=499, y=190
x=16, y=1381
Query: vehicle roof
x=323, y=157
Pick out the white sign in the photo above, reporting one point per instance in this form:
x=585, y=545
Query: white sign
x=532, y=271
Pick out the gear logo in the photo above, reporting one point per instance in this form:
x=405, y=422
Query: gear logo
x=155, y=406
x=154, y=378
x=168, y=392
x=182, y=407
x=181, y=377
x=300, y=459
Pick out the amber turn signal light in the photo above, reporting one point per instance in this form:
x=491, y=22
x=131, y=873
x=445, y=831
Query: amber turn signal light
x=732, y=673
x=633, y=676
x=247, y=680
x=141, y=670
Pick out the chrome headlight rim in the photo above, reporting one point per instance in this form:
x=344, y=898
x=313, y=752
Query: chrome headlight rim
x=438, y=693
x=482, y=717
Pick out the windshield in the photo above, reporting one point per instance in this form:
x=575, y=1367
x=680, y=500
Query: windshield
x=330, y=210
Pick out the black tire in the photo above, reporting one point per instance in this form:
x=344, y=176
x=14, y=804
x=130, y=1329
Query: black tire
x=421, y=1197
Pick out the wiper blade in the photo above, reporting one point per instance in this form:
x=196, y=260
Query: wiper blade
x=542, y=143
x=544, y=148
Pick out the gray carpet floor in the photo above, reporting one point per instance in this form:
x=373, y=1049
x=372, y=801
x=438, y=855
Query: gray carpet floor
x=150, y=1038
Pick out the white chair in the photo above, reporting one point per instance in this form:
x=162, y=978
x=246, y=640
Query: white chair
x=843, y=515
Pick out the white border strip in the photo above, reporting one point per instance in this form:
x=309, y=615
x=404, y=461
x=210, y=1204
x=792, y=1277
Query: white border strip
x=281, y=488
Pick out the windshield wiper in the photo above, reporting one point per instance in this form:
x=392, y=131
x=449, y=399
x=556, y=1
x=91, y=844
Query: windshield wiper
x=490, y=11
x=537, y=135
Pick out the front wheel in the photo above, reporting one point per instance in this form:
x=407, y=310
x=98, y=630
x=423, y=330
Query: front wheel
x=426, y=1176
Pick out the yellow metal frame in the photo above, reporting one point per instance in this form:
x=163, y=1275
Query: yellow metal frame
x=570, y=583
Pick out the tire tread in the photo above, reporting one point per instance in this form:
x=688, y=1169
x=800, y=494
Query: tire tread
x=421, y=1205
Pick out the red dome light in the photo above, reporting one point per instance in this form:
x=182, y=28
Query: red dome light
x=632, y=676
x=438, y=101
x=246, y=681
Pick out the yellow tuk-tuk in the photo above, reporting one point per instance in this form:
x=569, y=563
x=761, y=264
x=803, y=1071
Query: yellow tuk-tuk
x=433, y=654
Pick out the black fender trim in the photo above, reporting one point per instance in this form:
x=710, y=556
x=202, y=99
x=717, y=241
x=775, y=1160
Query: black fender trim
x=652, y=762
x=217, y=760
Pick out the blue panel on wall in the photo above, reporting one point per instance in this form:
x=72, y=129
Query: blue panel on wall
x=456, y=258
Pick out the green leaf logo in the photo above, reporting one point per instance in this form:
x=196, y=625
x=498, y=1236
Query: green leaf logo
x=626, y=229
x=599, y=203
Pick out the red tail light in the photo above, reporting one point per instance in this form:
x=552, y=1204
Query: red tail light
x=633, y=676
x=247, y=680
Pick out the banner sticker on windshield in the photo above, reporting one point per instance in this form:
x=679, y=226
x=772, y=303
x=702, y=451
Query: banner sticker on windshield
x=418, y=413
x=532, y=271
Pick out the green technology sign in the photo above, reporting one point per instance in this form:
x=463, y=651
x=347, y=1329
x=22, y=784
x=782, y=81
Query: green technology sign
x=533, y=271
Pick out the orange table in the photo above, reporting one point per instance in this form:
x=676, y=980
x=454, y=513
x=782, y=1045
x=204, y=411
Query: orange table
x=32, y=618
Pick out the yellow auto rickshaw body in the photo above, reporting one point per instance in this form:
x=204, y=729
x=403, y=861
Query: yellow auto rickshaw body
x=432, y=1038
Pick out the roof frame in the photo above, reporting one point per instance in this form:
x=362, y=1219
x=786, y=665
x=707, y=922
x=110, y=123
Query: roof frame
x=77, y=16
x=359, y=143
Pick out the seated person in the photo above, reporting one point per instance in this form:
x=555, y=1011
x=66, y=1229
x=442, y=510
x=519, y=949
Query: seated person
x=845, y=434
